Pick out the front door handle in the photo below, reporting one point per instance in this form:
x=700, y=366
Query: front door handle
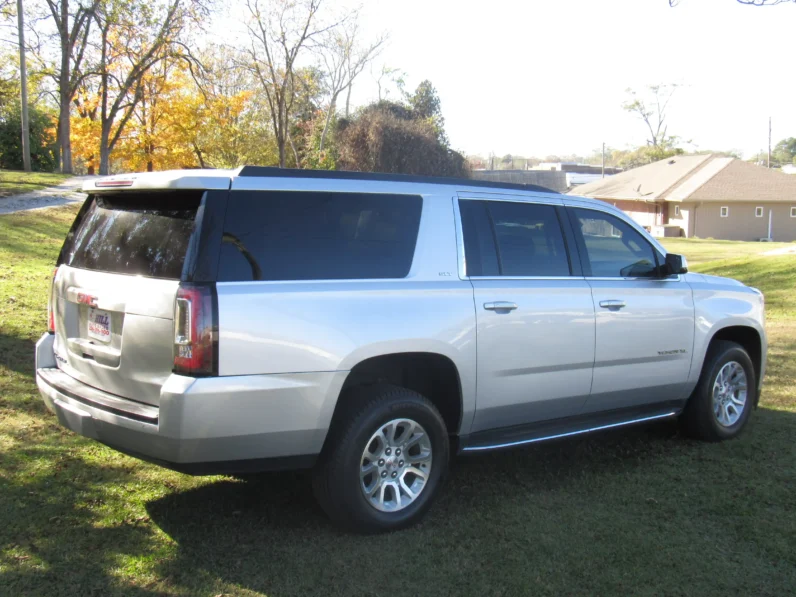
x=612, y=304
x=500, y=306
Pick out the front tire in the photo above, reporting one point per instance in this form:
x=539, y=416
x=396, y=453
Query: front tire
x=384, y=461
x=725, y=394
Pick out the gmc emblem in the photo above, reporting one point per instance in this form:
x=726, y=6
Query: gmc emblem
x=86, y=299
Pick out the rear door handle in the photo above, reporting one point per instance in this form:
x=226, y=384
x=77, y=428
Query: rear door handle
x=500, y=306
x=612, y=304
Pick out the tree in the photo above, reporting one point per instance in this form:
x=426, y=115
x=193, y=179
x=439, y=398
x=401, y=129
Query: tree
x=390, y=137
x=785, y=151
x=344, y=58
x=425, y=104
x=42, y=138
x=69, y=75
x=279, y=31
x=651, y=109
x=133, y=39
x=387, y=75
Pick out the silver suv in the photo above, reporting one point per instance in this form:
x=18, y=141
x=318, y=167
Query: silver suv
x=369, y=326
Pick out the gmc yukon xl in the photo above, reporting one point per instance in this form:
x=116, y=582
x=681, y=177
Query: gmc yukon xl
x=369, y=326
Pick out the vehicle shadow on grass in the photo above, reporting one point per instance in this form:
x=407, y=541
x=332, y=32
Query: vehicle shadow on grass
x=501, y=519
x=18, y=354
x=51, y=540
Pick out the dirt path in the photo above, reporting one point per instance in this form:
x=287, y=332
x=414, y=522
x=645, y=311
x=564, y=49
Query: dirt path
x=782, y=251
x=64, y=193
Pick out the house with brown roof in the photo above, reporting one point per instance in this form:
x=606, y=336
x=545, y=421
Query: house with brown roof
x=706, y=196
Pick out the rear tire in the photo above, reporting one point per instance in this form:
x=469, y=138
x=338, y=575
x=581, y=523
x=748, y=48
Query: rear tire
x=724, y=396
x=384, y=461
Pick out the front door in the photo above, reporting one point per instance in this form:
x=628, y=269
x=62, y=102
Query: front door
x=534, y=312
x=645, y=323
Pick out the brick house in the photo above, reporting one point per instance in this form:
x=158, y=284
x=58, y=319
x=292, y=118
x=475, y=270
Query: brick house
x=707, y=196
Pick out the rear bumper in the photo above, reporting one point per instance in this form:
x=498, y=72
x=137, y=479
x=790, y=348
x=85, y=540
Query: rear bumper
x=205, y=425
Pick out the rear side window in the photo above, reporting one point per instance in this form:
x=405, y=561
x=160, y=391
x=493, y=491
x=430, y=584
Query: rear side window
x=613, y=248
x=513, y=239
x=291, y=235
x=140, y=234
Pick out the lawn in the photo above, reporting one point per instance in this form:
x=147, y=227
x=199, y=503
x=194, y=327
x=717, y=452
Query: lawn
x=699, y=251
x=639, y=512
x=13, y=182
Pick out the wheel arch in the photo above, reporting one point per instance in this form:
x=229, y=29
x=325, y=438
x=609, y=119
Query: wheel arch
x=749, y=338
x=432, y=374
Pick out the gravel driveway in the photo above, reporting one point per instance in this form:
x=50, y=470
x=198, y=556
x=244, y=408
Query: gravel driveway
x=64, y=193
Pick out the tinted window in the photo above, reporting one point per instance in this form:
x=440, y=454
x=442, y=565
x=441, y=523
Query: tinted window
x=512, y=239
x=318, y=236
x=529, y=239
x=479, y=241
x=614, y=248
x=142, y=234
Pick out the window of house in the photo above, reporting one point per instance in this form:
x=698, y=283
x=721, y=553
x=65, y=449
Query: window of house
x=725, y=211
x=677, y=211
x=793, y=212
x=758, y=212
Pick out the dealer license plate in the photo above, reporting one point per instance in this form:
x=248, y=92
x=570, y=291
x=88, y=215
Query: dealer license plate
x=99, y=325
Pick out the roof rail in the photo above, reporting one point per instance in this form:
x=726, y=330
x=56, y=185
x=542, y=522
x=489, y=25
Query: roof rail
x=268, y=171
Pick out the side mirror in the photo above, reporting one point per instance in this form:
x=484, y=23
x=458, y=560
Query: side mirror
x=675, y=264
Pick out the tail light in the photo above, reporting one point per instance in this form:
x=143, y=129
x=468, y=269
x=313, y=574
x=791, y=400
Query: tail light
x=196, y=330
x=51, y=307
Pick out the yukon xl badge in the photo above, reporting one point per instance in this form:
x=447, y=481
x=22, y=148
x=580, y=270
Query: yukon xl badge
x=667, y=352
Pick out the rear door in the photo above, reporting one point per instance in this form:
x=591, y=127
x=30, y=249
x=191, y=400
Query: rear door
x=645, y=322
x=534, y=312
x=117, y=278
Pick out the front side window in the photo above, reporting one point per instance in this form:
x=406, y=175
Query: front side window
x=507, y=238
x=725, y=211
x=612, y=247
x=677, y=211
x=291, y=235
x=758, y=212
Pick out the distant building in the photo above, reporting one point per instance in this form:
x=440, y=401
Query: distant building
x=703, y=195
x=576, y=168
x=553, y=180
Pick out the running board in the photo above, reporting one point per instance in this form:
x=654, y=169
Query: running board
x=521, y=435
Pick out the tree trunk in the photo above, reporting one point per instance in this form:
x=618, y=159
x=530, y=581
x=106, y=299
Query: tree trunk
x=105, y=151
x=23, y=75
x=293, y=147
x=198, y=153
x=328, y=120
x=348, y=101
x=280, y=141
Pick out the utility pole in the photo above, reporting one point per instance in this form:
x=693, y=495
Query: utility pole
x=23, y=79
x=769, y=142
x=603, y=168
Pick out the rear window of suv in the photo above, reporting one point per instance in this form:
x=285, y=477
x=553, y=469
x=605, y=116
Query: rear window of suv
x=295, y=235
x=141, y=234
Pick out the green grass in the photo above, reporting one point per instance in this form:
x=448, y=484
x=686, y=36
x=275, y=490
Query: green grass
x=13, y=182
x=699, y=251
x=639, y=512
